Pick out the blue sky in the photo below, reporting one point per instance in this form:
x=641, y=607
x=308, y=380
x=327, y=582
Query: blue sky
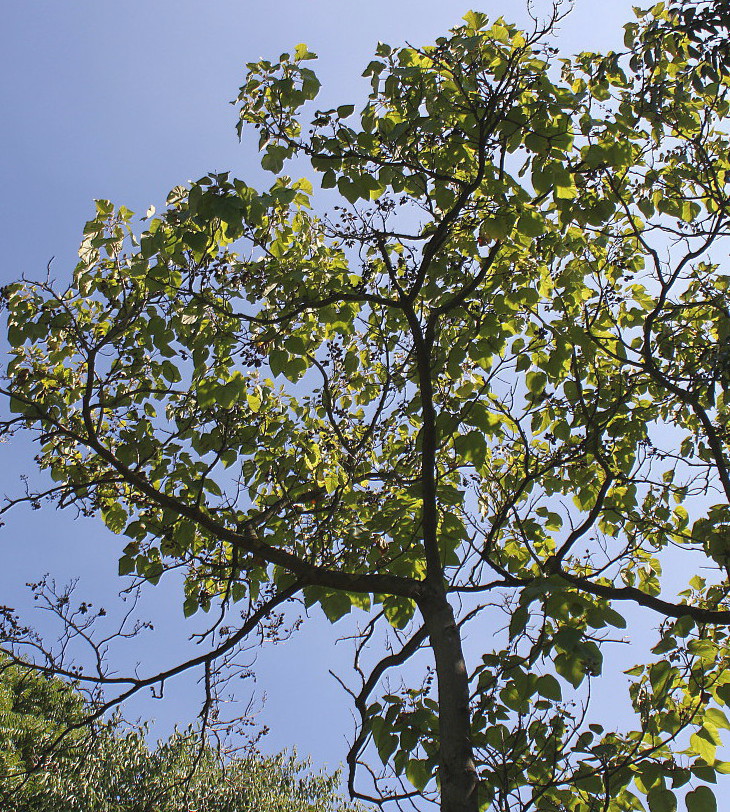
x=123, y=101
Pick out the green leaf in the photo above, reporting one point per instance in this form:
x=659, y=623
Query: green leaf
x=723, y=693
x=549, y=687
x=496, y=228
x=126, y=565
x=329, y=180
x=348, y=189
x=278, y=360
x=703, y=746
x=566, y=192
x=227, y=395
x=418, y=773
x=190, y=606
x=613, y=618
x=398, y=611
x=701, y=799
x=667, y=643
x=115, y=518
x=385, y=740
x=647, y=777
x=704, y=772
x=476, y=20
x=536, y=381
x=570, y=668
x=273, y=159
x=335, y=605
x=170, y=372
x=302, y=53
x=518, y=621
x=331, y=481
x=531, y=224
x=294, y=369
x=472, y=447
x=360, y=600
x=717, y=718
x=662, y=800
x=660, y=675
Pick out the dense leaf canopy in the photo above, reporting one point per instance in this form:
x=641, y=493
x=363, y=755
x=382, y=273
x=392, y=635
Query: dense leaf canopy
x=110, y=769
x=490, y=385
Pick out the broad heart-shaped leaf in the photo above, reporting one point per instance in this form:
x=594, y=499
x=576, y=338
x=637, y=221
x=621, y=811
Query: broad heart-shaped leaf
x=471, y=446
x=571, y=668
x=723, y=693
x=549, y=687
x=335, y=605
x=701, y=799
x=717, y=718
x=385, y=740
x=531, y=224
x=349, y=190
x=662, y=800
x=278, y=360
x=273, y=158
x=294, y=368
x=476, y=20
x=115, y=518
x=126, y=565
x=702, y=744
x=536, y=381
x=418, y=773
x=398, y=611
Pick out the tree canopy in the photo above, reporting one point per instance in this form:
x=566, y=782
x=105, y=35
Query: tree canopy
x=110, y=768
x=480, y=378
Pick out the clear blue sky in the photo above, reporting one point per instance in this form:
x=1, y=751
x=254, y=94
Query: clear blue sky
x=123, y=100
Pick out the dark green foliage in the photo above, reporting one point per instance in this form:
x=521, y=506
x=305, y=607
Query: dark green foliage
x=110, y=768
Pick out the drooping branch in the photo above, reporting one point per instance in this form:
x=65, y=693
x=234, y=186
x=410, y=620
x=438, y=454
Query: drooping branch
x=360, y=699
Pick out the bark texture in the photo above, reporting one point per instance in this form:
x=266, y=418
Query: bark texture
x=457, y=772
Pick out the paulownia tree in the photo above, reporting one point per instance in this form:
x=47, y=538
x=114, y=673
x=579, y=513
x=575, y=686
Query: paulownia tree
x=489, y=387
x=705, y=23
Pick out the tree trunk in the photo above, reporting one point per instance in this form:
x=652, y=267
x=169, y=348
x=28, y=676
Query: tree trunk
x=457, y=773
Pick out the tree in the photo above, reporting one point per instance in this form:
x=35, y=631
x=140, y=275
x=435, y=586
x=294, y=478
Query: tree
x=705, y=24
x=110, y=767
x=490, y=386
